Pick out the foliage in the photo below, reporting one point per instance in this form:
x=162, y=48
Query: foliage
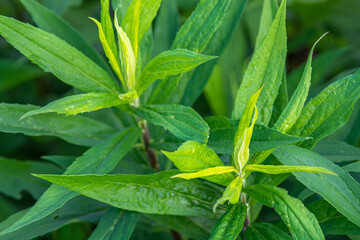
x=172, y=131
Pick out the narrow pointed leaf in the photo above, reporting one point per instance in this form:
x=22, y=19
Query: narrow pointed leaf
x=181, y=121
x=81, y=103
x=293, y=109
x=128, y=63
x=207, y=172
x=265, y=69
x=276, y=169
x=52, y=23
x=193, y=156
x=231, y=193
x=144, y=193
x=352, y=167
x=265, y=231
x=115, y=224
x=170, y=63
x=337, y=151
x=230, y=224
x=340, y=191
x=99, y=159
x=301, y=222
x=107, y=26
x=56, y=56
x=74, y=129
x=329, y=110
x=268, y=13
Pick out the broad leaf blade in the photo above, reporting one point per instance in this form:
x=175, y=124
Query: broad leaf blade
x=81, y=103
x=52, y=23
x=181, y=121
x=268, y=14
x=115, y=224
x=189, y=197
x=169, y=63
x=265, y=69
x=193, y=156
x=56, y=56
x=340, y=191
x=75, y=129
x=16, y=177
x=265, y=231
x=329, y=110
x=337, y=151
x=99, y=159
x=230, y=224
x=301, y=223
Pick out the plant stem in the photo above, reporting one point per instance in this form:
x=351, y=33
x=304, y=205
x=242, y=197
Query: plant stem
x=175, y=235
x=153, y=161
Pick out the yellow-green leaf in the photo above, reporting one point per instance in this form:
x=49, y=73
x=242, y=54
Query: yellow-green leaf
x=280, y=169
x=207, y=172
x=231, y=193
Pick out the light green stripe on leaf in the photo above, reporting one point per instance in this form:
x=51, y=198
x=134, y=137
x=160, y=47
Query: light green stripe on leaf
x=279, y=169
x=207, y=172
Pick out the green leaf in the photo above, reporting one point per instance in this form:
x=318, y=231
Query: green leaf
x=337, y=151
x=62, y=161
x=329, y=110
x=222, y=133
x=17, y=176
x=169, y=63
x=331, y=221
x=81, y=103
x=110, y=52
x=340, y=191
x=50, y=22
x=278, y=169
x=61, y=6
x=193, y=156
x=268, y=14
x=74, y=129
x=80, y=209
x=293, y=109
x=189, y=197
x=107, y=27
x=148, y=11
x=265, y=231
x=207, y=172
x=230, y=224
x=56, y=56
x=352, y=167
x=115, y=224
x=265, y=69
x=128, y=63
x=181, y=121
x=216, y=46
x=231, y=193
x=301, y=223
x=99, y=159
x=204, y=21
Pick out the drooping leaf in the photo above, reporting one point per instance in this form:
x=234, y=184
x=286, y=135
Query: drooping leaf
x=293, y=109
x=144, y=193
x=222, y=133
x=56, y=56
x=231, y=193
x=279, y=169
x=329, y=110
x=115, y=224
x=204, y=21
x=170, y=63
x=340, y=191
x=16, y=177
x=81, y=103
x=301, y=222
x=78, y=209
x=193, y=156
x=99, y=159
x=337, y=151
x=50, y=22
x=181, y=121
x=265, y=231
x=265, y=69
x=230, y=224
x=75, y=129
x=207, y=172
